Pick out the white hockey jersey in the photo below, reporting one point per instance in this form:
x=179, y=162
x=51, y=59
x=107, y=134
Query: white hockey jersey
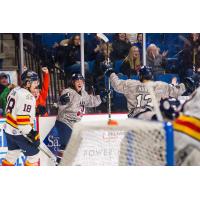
x=138, y=95
x=20, y=112
x=73, y=111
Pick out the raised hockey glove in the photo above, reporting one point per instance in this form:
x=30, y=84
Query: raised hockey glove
x=41, y=110
x=104, y=95
x=108, y=68
x=34, y=136
x=64, y=99
x=189, y=85
x=169, y=108
x=108, y=72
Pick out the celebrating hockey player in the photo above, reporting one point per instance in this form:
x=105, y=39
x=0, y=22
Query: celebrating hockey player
x=187, y=132
x=20, y=115
x=72, y=103
x=139, y=99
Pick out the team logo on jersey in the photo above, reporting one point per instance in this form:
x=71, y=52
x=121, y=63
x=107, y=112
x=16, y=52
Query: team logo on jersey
x=81, y=111
x=82, y=103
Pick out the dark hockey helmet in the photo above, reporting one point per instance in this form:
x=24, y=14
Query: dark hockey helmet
x=30, y=76
x=77, y=76
x=145, y=73
x=169, y=108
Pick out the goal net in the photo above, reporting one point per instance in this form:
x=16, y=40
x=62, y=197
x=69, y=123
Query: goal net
x=131, y=142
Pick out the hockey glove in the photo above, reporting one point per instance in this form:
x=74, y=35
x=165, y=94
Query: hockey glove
x=108, y=68
x=34, y=136
x=108, y=72
x=41, y=110
x=64, y=99
x=189, y=85
x=169, y=108
x=104, y=95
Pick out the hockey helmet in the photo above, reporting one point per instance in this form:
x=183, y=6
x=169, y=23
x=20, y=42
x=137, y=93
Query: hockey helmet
x=30, y=76
x=77, y=76
x=145, y=73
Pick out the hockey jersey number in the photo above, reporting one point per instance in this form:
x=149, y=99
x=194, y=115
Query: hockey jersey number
x=10, y=105
x=144, y=100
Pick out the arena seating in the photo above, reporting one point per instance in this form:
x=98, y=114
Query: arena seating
x=117, y=65
x=170, y=42
x=91, y=66
x=167, y=78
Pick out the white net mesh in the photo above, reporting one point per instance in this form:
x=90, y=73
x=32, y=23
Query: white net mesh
x=131, y=142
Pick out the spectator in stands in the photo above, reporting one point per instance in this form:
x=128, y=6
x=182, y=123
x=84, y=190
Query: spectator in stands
x=196, y=76
x=121, y=46
x=131, y=63
x=73, y=56
x=58, y=52
x=41, y=95
x=101, y=57
x=139, y=43
x=155, y=60
x=5, y=88
x=93, y=47
x=188, y=56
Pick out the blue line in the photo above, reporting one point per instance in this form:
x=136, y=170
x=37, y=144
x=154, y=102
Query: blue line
x=3, y=152
x=170, y=143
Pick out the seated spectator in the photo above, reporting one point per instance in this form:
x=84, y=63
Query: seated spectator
x=155, y=60
x=5, y=88
x=73, y=56
x=139, y=43
x=131, y=63
x=188, y=56
x=58, y=52
x=101, y=57
x=93, y=47
x=41, y=95
x=121, y=46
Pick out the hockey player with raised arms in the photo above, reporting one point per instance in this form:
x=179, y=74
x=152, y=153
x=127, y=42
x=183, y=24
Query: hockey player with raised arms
x=71, y=106
x=20, y=116
x=139, y=100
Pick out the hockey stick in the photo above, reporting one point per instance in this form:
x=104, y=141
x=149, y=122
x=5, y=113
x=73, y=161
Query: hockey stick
x=42, y=150
x=106, y=40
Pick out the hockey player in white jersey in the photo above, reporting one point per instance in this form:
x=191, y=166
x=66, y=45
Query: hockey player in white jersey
x=20, y=116
x=72, y=103
x=187, y=132
x=139, y=100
